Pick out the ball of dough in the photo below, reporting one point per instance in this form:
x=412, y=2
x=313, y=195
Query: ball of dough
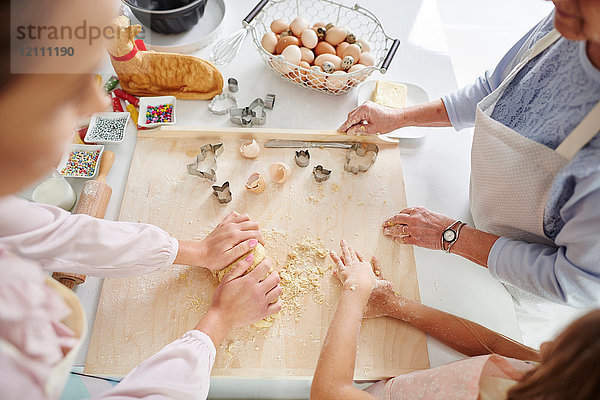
x=259, y=255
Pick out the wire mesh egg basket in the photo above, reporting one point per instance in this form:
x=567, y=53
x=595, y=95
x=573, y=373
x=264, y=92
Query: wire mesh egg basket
x=355, y=19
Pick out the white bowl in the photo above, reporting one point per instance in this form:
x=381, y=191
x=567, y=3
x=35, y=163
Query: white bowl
x=86, y=147
x=102, y=138
x=146, y=102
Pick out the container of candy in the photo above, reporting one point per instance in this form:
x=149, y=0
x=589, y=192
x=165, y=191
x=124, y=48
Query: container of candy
x=81, y=161
x=155, y=111
x=107, y=127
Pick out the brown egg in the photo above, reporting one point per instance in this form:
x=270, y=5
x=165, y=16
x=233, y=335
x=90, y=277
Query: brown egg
x=339, y=49
x=316, y=78
x=269, y=41
x=337, y=62
x=304, y=64
x=319, y=25
x=307, y=55
x=279, y=25
x=367, y=58
x=285, y=42
x=335, y=36
x=296, y=75
x=324, y=48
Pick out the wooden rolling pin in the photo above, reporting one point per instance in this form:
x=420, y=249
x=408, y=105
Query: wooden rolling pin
x=93, y=201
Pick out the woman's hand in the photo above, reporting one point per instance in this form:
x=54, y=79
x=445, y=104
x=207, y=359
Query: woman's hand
x=241, y=300
x=371, y=119
x=235, y=236
x=417, y=226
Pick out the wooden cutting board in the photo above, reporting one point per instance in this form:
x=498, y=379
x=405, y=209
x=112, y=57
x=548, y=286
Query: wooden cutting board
x=136, y=317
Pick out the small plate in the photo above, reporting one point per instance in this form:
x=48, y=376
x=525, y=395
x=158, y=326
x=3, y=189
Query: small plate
x=415, y=95
x=201, y=35
x=107, y=116
x=146, y=102
x=86, y=147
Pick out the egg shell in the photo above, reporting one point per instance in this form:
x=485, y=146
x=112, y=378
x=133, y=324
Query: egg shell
x=292, y=54
x=337, y=62
x=279, y=172
x=366, y=47
x=367, y=58
x=269, y=41
x=298, y=25
x=339, y=49
x=309, y=38
x=250, y=149
x=285, y=42
x=307, y=55
x=256, y=183
x=324, y=48
x=336, y=81
x=279, y=25
x=335, y=35
x=354, y=51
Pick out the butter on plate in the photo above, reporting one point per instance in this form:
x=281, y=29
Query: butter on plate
x=390, y=94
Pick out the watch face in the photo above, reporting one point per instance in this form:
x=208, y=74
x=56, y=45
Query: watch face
x=449, y=235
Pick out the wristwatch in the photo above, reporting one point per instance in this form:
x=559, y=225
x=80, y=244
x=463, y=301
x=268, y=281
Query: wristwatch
x=450, y=235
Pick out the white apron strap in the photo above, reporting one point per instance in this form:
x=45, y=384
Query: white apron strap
x=581, y=135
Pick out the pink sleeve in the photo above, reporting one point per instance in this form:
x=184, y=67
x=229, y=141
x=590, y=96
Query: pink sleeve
x=60, y=241
x=180, y=370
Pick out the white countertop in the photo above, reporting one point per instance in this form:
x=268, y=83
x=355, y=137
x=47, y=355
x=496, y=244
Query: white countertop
x=436, y=170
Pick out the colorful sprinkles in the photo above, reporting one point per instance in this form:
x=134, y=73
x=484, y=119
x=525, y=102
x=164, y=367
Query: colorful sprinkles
x=159, y=114
x=107, y=129
x=81, y=163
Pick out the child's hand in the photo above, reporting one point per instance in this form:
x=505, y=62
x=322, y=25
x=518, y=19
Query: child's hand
x=355, y=274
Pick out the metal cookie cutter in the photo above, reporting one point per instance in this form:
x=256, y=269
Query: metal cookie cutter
x=321, y=174
x=360, y=157
x=249, y=116
x=232, y=84
x=205, y=165
x=269, y=101
x=302, y=158
x=222, y=193
x=225, y=97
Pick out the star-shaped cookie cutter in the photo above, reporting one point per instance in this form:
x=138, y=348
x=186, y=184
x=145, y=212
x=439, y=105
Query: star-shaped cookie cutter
x=360, y=157
x=223, y=193
x=321, y=174
x=205, y=165
x=249, y=116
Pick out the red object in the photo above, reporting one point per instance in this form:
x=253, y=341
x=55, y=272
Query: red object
x=140, y=45
x=127, y=56
x=117, y=107
x=81, y=132
x=120, y=93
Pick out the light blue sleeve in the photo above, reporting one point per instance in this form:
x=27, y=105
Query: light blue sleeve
x=568, y=274
x=461, y=104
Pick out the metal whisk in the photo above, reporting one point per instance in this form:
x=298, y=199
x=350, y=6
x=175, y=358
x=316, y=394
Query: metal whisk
x=225, y=50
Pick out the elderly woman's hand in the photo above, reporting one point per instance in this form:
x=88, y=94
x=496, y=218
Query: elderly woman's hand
x=417, y=226
x=371, y=119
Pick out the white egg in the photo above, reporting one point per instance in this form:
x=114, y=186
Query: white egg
x=298, y=25
x=309, y=38
x=292, y=54
x=367, y=58
x=365, y=46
